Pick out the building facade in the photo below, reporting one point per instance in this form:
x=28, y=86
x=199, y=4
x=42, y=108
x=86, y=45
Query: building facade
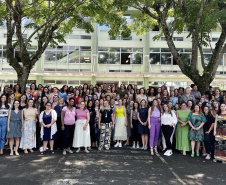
x=97, y=58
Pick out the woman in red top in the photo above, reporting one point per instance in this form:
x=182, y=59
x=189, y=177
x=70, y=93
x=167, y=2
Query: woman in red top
x=76, y=97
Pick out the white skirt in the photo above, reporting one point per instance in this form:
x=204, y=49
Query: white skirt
x=120, y=132
x=81, y=137
x=28, y=139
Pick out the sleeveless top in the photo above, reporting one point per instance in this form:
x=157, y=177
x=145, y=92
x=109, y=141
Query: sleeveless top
x=120, y=112
x=35, y=94
x=134, y=115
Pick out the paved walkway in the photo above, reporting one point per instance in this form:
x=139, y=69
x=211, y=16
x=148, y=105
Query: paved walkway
x=116, y=166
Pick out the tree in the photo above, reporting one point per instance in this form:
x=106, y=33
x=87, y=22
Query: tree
x=50, y=21
x=199, y=17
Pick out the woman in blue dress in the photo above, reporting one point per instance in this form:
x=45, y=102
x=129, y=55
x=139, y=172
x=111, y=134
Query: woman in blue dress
x=15, y=126
x=47, y=121
x=142, y=116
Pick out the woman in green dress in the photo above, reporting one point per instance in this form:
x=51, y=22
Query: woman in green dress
x=196, y=120
x=182, y=142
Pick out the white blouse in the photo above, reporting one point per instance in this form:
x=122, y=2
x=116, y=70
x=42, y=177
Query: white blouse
x=168, y=119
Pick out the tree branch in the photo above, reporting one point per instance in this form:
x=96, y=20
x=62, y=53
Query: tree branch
x=202, y=56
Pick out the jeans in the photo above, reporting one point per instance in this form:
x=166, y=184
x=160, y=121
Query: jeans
x=167, y=132
x=3, y=130
x=208, y=141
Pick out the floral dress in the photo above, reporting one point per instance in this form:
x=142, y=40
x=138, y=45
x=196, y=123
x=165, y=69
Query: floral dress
x=196, y=121
x=220, y=139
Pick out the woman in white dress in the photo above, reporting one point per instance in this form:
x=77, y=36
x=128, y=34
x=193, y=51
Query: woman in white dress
x=28, y=139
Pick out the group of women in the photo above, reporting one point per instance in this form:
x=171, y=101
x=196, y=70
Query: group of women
x=92, y=116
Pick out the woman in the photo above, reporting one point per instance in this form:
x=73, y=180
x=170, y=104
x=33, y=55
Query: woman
x=17, y=92
x=187, y=96
x=40, y=89
x=151, y=95
x=55, y=92
x=23, y=101
x=64, y=91
x=128, y=128
x=168, y=122
x=173, y=98
x=208, y=98
x=99, y=92
x=15, y=127
x=105, y=122
x=82, y=129
x=30, y=115
x=154, y=125
x=60, y=132
x=79, y=103
x=55, y=101
x=159, y=92
x=142, y=117
x=76, y=97
x=208, y=132
x=182, y=142
x=45, y=92
x=68, y=125
x=190, y=105
x=220, y=135
x=92, y=122
x=141, y=96
x=11, y=100
x=217, y=97
x=47, y=121
x=196, y=120
x=4, y=111
x=215, y=108
x=120, y=124
x=122, y=91
x=134, y=125
x=34, y=92
x=165, y=98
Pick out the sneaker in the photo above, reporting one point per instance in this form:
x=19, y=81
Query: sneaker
x=41, y=149
x=87, y=151
x=64, y=152
x=77, y=151
x=138, y=146
x=166, y=153
x=116, y=145
x=169, y=153
x=70, y=151
x=204, y=154
x=134, y=146
x=207, y=157
x=120, y=145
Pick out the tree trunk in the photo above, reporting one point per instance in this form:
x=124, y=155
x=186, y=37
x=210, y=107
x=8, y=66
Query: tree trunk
x=202, y=83
x=22, y=78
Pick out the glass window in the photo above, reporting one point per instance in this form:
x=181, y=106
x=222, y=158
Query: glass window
x=74, y=57
x=61, y=56
x=103, y=58
x=207, y=58
x=140, y=83
x=154, y=49
x=137, y=49
x=165, y=50
x=85, y=36
x=85, y=48
x=114, y=58
x=186, y=58
x=50, y=56
x=49, y=82
x=178, y=38
x=103, y=49
x=1, y=52
x=115, y=49
x=125, y=58
x=126, y=49
x=64, y=82
x=155, y=58
x=73, y=82
x=4, y=57
x=136, y=58
x=166, y=59
x=85, y=57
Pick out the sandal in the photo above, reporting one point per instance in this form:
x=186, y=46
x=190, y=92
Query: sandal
x=43, y=152
x=214, y=160
x=151, y=151
x=192, y=155
x=197, y=154
x=156, y=150
x=52, y=152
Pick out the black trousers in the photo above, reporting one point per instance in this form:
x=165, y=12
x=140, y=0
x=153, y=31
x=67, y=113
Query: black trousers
x=68, y=135
x=167, y=132
x=135, y=134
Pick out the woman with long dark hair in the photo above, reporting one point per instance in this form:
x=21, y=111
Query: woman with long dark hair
x=17, y=91
x=151, y=95
x=34, y=91
x=15, y=127
x=134, y=125
x=64, y=91
x=4, y=112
